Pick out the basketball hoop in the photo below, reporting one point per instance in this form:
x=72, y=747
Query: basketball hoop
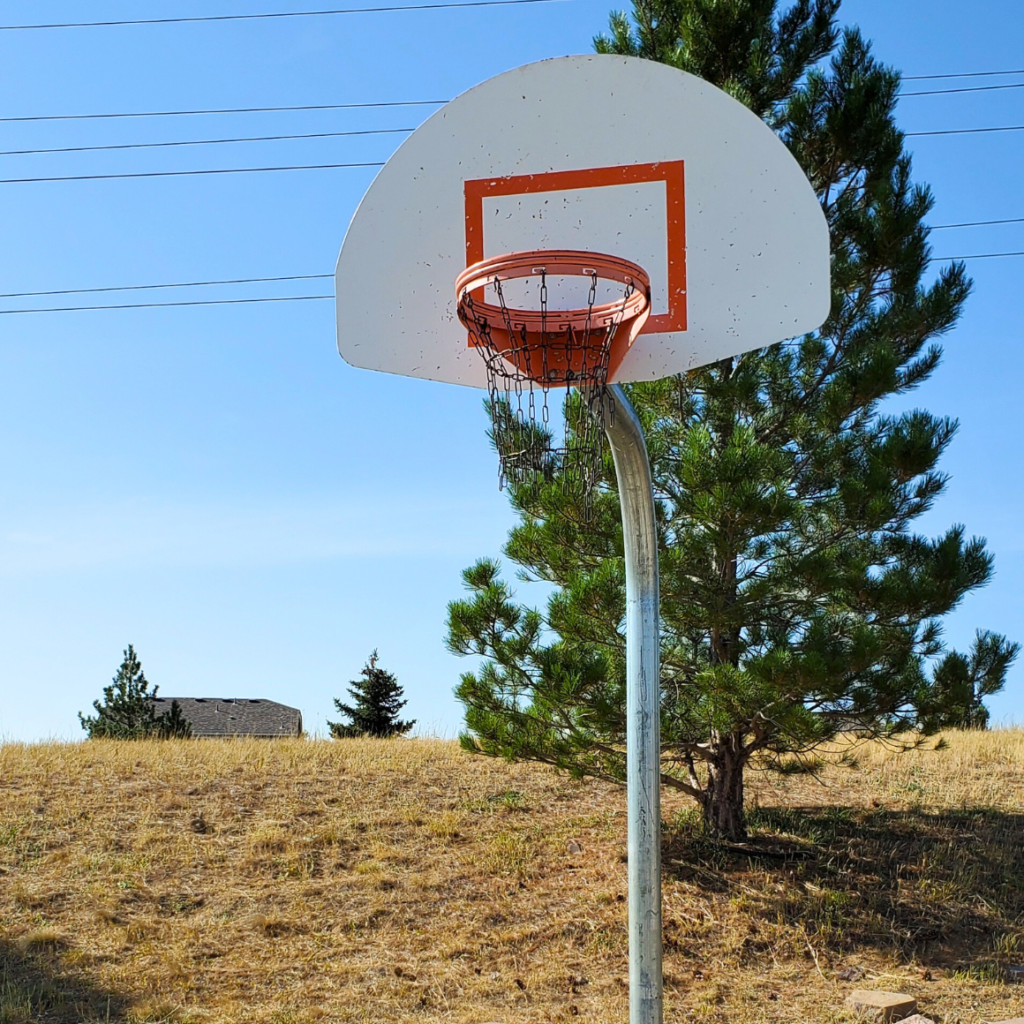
x=531, y=349
x=736, y=251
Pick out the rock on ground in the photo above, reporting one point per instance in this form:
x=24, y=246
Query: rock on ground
x=881, y=1006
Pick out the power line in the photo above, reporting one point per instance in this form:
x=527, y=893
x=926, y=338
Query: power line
x=176, y=284
x=310, y=135
x=164, y=305
x=389, y=103
x=183, y=174
x=273, y=14
x=276, y=298
x=353, y=164
x=963, y=74
x=976, y=256
x=969, y=88
x=206, y=142
x=978, y=223
x=307, y=135
x=224, y=110
x=320, y=277
x=970, y=131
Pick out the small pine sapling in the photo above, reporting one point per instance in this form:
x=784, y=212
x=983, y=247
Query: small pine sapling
x=378, y=701
x=173, y=725
x=128, y=711
x=961, y=682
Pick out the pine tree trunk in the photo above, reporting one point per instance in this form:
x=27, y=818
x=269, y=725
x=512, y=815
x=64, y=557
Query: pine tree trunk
x=723, y=796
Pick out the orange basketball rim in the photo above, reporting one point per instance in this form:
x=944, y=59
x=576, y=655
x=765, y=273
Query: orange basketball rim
x=555, y=347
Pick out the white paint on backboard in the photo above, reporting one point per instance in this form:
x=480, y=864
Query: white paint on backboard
x=626, y=220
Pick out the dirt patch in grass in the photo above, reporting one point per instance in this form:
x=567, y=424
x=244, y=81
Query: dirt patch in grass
x=289, y=882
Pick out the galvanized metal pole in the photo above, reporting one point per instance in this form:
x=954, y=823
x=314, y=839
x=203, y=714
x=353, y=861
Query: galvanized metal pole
x=643, y=693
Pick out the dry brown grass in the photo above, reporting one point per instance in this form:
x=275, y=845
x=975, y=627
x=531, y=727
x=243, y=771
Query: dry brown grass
x=291, y=882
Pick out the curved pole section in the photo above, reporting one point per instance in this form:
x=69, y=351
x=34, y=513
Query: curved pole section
x=643, y=693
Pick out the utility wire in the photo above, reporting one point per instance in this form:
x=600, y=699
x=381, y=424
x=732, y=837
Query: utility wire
x=182, y=174
x=365, y=106
x=280, y=298
x=176, y=284
x=969, y=88
x=977, y=223
x=964, y=74
x=980, y=256
x=206, y=142
x=970, y=131
x=975, y=256
x=322, y=277
x=318, y=135
x=225, y=110
x=272, y=14
x=324, y=167
x=164, y=305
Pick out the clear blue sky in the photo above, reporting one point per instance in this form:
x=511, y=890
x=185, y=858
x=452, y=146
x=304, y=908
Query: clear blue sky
x=213, y=484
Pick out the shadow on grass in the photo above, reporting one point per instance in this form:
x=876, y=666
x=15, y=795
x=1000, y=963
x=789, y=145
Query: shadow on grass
x=36, y=989
x=945, y=888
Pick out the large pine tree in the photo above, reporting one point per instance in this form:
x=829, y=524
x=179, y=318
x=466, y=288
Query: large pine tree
x=795, y=595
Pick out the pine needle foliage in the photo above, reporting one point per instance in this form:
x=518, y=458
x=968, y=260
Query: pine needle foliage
x=378, y=701
x=127, y=711
x=795, y=595
x=963, y=681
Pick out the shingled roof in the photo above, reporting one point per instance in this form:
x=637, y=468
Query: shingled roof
x=235, y=716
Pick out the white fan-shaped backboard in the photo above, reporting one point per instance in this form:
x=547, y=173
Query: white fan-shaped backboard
x=601, y=153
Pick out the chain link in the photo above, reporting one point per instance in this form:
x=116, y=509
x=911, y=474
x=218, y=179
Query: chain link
x=527, y=450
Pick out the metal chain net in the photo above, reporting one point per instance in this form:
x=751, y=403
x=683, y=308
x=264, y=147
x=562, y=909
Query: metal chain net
x=518, y=371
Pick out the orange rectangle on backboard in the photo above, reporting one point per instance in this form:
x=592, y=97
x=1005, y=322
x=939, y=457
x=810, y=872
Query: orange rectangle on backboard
x=671, y=172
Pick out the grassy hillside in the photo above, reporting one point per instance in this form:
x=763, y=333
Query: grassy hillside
x=289, y=881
